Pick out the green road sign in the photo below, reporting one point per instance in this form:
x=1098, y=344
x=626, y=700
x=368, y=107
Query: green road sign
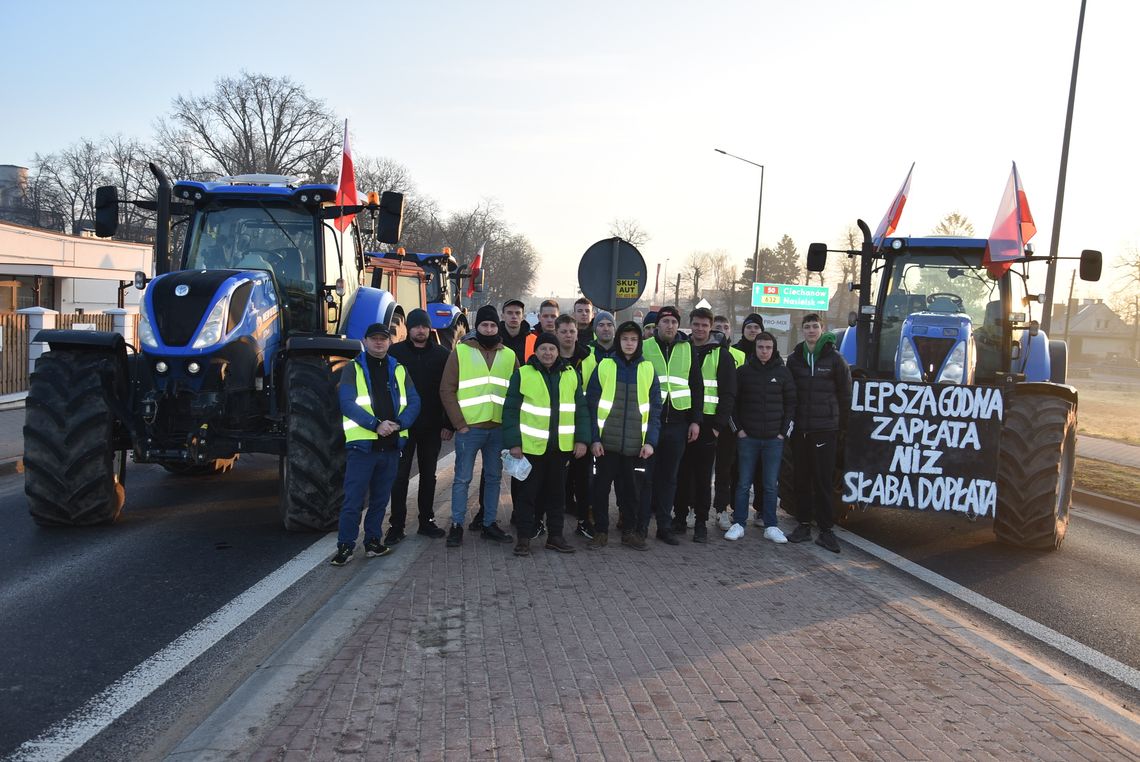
x=790, y=297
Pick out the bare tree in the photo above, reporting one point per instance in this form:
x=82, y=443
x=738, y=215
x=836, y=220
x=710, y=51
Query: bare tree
x=842, y=271
x=72, y=175
x=509, y=259
x=259, y=123
x=126, y=160
x=1125, y=299
x=629, y=230
x=954, y=224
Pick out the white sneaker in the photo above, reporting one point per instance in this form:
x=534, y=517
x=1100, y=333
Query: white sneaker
x=691, y=520
x=735, y=532
x=775, y=535
x=724, y=520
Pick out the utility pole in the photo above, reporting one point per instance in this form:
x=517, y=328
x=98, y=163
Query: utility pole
x=1051, y=274
x=677, y=292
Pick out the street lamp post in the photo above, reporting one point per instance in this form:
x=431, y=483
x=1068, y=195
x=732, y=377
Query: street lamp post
x=759, y=210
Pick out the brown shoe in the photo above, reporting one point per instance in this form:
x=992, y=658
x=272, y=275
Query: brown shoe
x=556, y=542
x=522, y=547
x=599, y=541
x=637, y=542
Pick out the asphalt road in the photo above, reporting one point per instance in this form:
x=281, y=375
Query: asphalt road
x=83, y=607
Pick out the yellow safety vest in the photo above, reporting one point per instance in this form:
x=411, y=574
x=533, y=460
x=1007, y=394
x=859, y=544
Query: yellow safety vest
x=534, y=413
x=483, y=390
x=674, y=375
x=353, y=431
x=607, y=379
x=738, y=357
x=708, y=375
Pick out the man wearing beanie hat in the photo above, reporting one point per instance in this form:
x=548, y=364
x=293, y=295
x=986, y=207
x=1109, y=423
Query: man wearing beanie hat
x=473, y=390
x=752, y=327
x=424, y=360
x=682, y=394
x=649, y=325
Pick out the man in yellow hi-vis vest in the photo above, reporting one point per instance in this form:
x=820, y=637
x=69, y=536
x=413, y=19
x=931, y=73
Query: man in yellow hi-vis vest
x=379, y=403
x=473, y=389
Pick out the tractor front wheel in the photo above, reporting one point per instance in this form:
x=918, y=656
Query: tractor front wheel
x=312, y=468
x=1035, y=471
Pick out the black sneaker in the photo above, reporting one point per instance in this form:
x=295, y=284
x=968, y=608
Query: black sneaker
x=492, y=532
x=802, y=533
x=429, y=529
x=700, y=533
x=455, y=536
x=394, y=536
x=558, y=543
x=374, y=548
x=667, y=537
x=477, y=522
x=585, y=529
x=539, y=529
x=827, y=540
x=343, y=554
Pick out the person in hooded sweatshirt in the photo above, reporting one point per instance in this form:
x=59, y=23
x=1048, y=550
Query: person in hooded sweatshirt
x=823, y=399
x=624, y=400
x=424, y=360
x=473, y=389
x=763, y=416
x=545, y=421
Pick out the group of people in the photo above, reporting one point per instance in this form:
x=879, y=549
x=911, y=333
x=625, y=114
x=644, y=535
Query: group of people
x=677, y=425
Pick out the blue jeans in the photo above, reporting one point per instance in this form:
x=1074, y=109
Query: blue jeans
x=490, y=443
x=749, y=452
x=368, y=472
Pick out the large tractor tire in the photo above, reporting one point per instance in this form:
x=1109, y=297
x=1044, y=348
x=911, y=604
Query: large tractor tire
x=218, y=466
x=450, y=336
x=1035, y=471
x=69, y=444
x=312, y=468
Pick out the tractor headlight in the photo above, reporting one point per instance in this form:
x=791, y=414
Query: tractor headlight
x=909, y=369
x=954, y=371
x=146, y=332
x=211, y=332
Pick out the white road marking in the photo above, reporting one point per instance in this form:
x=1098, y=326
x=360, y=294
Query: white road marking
x=97, y=714
x=1079, y=651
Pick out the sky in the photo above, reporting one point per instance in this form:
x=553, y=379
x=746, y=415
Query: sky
x=572, y=115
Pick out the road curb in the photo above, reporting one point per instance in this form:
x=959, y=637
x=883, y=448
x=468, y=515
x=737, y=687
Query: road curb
x=1106, y=503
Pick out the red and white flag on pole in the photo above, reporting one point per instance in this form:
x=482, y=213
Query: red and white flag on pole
x=346, y=184
x=476, y=265
x=1012, y=229
x=894, y=212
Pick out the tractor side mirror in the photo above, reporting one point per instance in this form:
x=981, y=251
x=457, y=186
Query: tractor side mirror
x=390, y=218
x=477, y=276
x=817, y=257
x=1091, y=264
x=107, y=211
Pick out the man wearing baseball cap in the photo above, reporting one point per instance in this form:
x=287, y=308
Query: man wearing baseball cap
x=513, y=329
x=379, y=404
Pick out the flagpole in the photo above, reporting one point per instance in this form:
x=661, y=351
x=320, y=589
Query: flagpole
x=1051, y=273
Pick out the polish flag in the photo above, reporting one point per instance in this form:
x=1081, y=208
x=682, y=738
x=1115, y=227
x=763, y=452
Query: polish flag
x=475, y=266
x=346, y=185
x=894, y=213
x=1012, y=229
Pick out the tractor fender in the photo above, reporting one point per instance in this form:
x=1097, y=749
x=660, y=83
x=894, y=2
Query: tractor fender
x=58, y=338
x=443, y=315
x=1035, y=361
x=371, y=305
x=1046, y=389
x=325, y=346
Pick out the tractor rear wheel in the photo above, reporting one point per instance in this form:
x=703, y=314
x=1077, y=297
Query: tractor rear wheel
x=69, y=439
x=1035, y=471
x=312, y=468
x=452, y=335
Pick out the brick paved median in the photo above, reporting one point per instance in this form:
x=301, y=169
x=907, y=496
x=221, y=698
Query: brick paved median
x=725, y=651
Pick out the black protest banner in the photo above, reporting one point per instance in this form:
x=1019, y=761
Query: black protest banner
x=923, y=446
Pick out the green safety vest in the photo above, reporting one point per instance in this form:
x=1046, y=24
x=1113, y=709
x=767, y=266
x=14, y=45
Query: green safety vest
x=353, y=431
x=534, y=413
x=708, y=375
x=607, y=379
x=483, y=390
x=674, y=376
x=738, y=357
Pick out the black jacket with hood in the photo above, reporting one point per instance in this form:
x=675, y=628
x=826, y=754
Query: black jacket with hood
x=765, y=398
x=823, y=385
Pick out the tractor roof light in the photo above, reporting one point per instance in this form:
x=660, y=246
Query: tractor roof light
x=373, y=198
x=896, y=244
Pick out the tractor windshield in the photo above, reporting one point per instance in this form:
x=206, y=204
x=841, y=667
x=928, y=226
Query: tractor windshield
x=940, y=283
x=278, y=239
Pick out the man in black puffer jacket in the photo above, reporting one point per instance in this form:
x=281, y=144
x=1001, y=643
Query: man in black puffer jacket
x=823, y=399
x=763, y=416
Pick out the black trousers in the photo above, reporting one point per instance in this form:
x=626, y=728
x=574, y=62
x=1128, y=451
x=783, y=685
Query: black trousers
x=545, y=486
x=424, y=446
x=694, y=479
x=613, y=470
x=813, y=454
x=661, y=476
x=578, y=487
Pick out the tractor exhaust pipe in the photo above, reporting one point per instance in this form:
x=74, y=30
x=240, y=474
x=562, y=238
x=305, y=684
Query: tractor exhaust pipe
x=162, y=226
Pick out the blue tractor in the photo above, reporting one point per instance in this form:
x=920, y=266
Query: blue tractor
x=242, y=334
x=930, y=314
